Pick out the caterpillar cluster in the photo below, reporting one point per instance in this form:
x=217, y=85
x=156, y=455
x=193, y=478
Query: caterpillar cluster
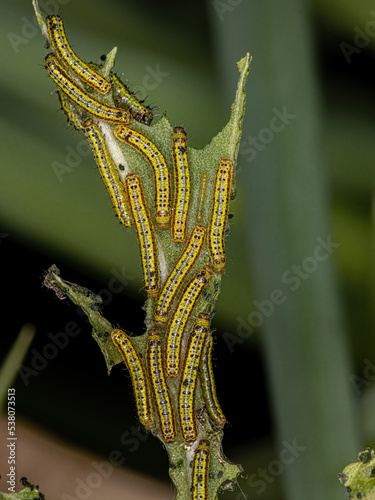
x=173, y=351
x=63, y=65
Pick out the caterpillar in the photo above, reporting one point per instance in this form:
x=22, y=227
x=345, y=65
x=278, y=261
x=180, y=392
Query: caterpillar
x=156, y=371
x=145, y=234
x=190, y=368
x=68, y=107
x=181, y=185
x=123, y=96
x=108, y=172
x=206, y=376
x=67, y=56
x=199, y=477
x=179, y=318
x=76, y=93
x=219, y=215
x=182, y=268
x=138, y=375
x=202, y=196
x=159, y=169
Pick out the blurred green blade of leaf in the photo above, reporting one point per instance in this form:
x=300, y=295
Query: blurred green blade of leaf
x=13, y=360
x=286, y=205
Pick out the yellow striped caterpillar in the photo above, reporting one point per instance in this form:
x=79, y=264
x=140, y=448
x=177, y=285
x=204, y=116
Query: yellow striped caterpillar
x=162, y=399
x=219, y=215
x=207, y=380
x=181, y=185
x=188, y=381
x=67, y=56
x=145, y=234
x=138, y=375
x=108, y=172
x=179, y=318
x=79, y=96
x=68, y=107
x=180, y=271
x=199, y=477
x=159, y=169
x=125, y=97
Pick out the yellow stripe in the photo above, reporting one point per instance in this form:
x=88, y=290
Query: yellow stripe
x=202, y=197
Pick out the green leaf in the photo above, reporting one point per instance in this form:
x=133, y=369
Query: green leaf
x=29, y=492
x=24, y=494
x=359, y=478
x=90, y=304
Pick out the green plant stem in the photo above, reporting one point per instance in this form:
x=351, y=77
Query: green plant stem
x=181, y=449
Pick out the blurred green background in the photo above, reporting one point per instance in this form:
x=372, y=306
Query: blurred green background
x=304, y=371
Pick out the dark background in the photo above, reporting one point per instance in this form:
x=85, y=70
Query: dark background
x=43, y=221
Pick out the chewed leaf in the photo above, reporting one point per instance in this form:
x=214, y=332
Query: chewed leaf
x=90, y=304
x=224, y=145
x=359, y=478
x=28, y=492
x=24, y=494
x=223, y=474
